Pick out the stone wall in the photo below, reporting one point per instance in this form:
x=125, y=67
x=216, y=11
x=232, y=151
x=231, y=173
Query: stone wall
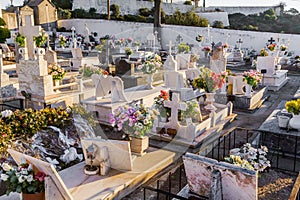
x=139, y=31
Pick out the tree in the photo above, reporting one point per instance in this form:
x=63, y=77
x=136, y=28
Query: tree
x=4, y=33
x=157, y=13
x=2, y=22
x=108, y=9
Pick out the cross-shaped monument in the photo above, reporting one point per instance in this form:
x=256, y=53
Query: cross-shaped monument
x=240, y=41
x=179, y=39
x=170, y=47
x=175, y=106
x=74, y=41
x=29, y=31
x=271, y=40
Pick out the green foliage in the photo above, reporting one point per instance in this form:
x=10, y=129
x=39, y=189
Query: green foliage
x=2, y=22
x=79, y=13
x=20, y=40
x=115, y=9
x=187, y=3
x=40, y=40
x=145, y=12
x=92, y=12
x=135, y=18
x=183, y=48
x=87, y=72
x=64, y=14
x=188, y=19
x=65, y=4
x=192, y=111
x=218, y=24
x=79, y=109
x=4, y=33
x=128, y=51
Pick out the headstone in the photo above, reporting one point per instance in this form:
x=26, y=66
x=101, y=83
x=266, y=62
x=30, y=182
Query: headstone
x=236, y=182
x=87, y=34
x=266, y=63
x=192, y=73
x=124, y=67
x=174, y=80
x=29, y=31
x=175, y=106
x=237, y=84
x=170, y=63
x=118, y=152
x=76, y=60
x=50, y=56
x=218, y=59
x=183, y=61
x=4, y=78
x=109, y=85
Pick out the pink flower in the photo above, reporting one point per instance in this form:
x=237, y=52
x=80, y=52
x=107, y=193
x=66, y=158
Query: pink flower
x=40, y=176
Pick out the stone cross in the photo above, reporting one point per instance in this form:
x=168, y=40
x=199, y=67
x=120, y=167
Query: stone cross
x=74, y=41
x=29, y=31
x=240, y=42
x=179, y=39
x=170, y=47
x=271, y=40
x=175, y=106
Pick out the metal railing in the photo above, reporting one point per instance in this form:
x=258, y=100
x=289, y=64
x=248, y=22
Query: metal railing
x=282, y=153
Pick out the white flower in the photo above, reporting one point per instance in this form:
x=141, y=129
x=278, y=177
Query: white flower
x=4, y=177
x=6, y=113
x=24, y=172
x=21, y=179
x=6, y=167
x=29, y=178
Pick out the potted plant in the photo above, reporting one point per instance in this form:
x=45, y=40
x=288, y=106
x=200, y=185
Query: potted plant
x=293, y=106
x=23, y=179
x=40, y=40
x=206, y=49
x=183, y=48
x=62, y=41
x=128, y=51
x=136, y=121
x=209, y=81
x=20, y=40
x=263, y=52
x=271, y=47
x=57, y=73
x=192, y=111
x=149, y=67
x=164, y=112
x=252, y=78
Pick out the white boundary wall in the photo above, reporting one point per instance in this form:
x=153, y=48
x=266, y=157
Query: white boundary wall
x=139, y=31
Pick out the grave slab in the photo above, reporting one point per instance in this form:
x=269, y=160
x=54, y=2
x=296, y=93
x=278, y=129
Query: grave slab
x=276, y=81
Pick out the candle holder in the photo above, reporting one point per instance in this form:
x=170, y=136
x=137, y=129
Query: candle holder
x=89, y=169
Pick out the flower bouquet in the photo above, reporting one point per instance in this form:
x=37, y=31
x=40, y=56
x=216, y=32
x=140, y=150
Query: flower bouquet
x=159, y=104
x=192, y=111
x=263, y=52
x=62, y=40
x=20, y=40
x=40, y=40
x=128, y=51
x=209, y=80
x=136, y=120
x=151, y=66
x=225, y=45
x=293, y=106
x=283, y=47
x=249, y=157
x=23, y=179
x=56, y=71
x=252, y=77
x=271, y=47
x=206, y=49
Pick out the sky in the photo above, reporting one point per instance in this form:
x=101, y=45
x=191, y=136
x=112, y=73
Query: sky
x=289, y=3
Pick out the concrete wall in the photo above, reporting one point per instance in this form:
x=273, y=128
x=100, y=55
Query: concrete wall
x=139, y=31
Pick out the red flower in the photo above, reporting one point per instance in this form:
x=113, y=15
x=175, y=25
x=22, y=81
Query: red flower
x=40, y=176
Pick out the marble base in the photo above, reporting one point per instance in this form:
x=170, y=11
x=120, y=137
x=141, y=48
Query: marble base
x=276, y=81
x=243, y=102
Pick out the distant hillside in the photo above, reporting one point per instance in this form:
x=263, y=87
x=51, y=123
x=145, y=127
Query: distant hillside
x=267, y=21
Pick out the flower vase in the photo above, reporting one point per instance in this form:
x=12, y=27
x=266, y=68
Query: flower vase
x=206, y=54
x=138, y=145
x=37, y=196
x=149, y=79
x=210, y=99
x=295, y=122
x=248, y=90
x=163, y=119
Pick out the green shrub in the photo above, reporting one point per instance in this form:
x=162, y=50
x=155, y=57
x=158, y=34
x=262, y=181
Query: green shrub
x=145, y=12
x=187, y=19
x=64, y=14
x=4, y=33
x=2, y=22
x=115, y=9
x=218, y=24
x=79, y=13
x=187, y=3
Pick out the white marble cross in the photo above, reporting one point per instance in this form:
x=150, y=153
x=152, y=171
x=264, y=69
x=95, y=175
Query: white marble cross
x=170, y=47
x=74, y=41
x=175, y=106
x=29, y=31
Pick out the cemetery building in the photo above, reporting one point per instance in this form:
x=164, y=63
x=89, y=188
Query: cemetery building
x=11, y=20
